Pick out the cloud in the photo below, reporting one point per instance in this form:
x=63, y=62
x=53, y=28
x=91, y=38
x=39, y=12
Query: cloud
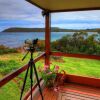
x=77, y=20
x=19, y=13
x=22, y=23
x=77, y=26
x=18, y=9
x=82, y=15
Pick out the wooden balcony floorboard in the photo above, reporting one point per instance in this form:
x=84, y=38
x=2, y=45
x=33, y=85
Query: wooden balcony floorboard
x=72, y=92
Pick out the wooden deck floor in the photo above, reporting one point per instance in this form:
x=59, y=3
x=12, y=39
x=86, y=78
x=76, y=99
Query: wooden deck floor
x=72, y=92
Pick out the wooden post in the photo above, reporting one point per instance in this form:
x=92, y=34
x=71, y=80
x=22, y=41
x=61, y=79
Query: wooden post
x=47, y=38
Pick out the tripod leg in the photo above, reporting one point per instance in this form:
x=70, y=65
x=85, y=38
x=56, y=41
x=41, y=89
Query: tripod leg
x=38, y=80
x=31, y=77
x=24, y=81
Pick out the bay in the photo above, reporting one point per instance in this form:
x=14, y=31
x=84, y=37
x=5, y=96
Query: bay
x=16, y=39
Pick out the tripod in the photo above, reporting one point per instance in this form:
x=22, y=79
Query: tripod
x=31, y=66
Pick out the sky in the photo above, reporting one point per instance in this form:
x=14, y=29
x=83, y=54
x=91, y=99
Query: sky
x=20, y=13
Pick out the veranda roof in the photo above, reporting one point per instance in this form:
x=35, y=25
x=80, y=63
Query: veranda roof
x=66, y=5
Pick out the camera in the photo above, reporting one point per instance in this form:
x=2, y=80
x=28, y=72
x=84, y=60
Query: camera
x=30, y=44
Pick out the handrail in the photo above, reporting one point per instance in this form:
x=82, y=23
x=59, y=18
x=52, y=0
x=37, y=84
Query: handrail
x=75, y=55
x=12, y=75
x=83, y=80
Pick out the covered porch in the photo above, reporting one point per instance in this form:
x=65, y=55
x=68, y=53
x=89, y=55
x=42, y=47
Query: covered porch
x=75, y=87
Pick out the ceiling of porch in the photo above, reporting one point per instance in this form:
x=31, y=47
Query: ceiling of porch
x=66, y=5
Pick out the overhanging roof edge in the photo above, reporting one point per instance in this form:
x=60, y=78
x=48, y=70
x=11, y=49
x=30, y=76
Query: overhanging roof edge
x=71, y=10
x=63, y=10
x=35, y=4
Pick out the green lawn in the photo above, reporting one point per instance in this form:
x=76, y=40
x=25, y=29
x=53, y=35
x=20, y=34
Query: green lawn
x=81, y=67
x=11, y=62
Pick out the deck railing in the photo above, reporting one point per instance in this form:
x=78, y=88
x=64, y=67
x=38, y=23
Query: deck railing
x=12, y=75
x=71, y=78
x=75, y=55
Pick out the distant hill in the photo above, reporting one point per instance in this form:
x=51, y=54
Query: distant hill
x=53, y=29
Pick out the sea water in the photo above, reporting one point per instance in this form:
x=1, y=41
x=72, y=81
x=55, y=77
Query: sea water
x=16, y=39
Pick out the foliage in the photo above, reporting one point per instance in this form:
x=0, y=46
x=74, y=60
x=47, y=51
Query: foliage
x=5, y=50
x=79, y=42
x=49, y=74
x=41, y=45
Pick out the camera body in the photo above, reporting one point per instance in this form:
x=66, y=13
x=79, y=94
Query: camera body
x=30, y=45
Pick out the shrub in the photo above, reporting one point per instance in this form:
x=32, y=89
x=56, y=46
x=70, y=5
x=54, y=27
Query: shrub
x=5, y=50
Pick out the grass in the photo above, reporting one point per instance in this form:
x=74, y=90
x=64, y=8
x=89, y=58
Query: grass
x=81, y=67
x=10, y=92
x=11, y=62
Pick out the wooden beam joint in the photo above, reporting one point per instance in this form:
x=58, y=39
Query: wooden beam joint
x=45, y=13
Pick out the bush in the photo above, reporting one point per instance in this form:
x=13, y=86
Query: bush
x=79, y=42
x=6, y=50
